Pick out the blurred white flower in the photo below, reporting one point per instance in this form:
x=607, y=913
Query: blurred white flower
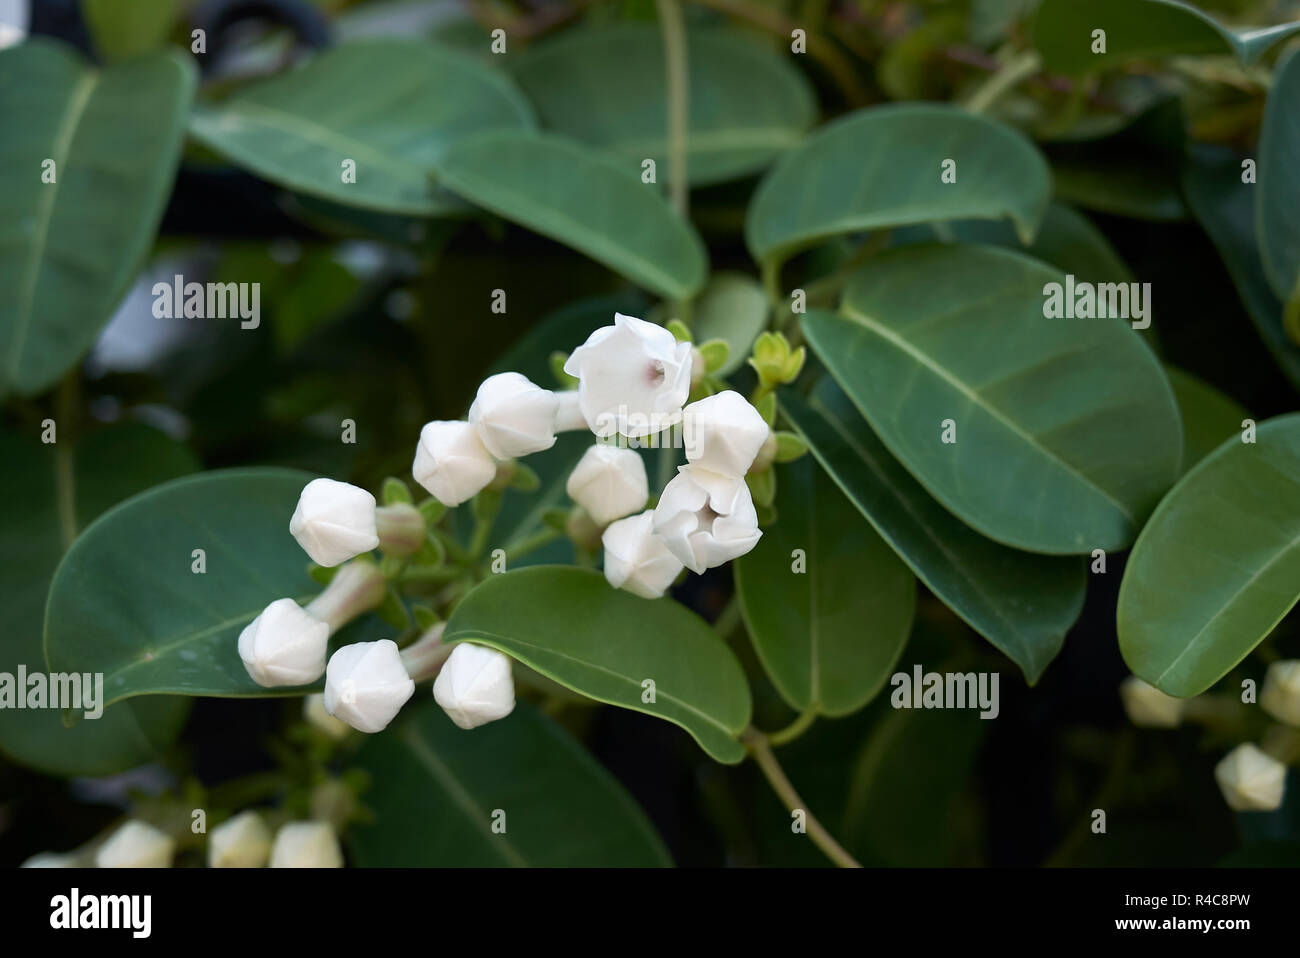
x=475, y=686
x=366, y=685
x=241, y=842
x=638, y=560
x=695, y=529
x=1280, y=697
x=313, y=710
x=451, y=461
x=1251, y=780
x=723, y=433
x=1148, y=707
x=284, y=645
x=609, y=482
x=52, y=860
x=513, y=416
x=633, y=378
x=136, y=845
x=334, y=521
x=306, y=845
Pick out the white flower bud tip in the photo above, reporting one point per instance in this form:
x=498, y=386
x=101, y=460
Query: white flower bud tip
x=475, y=686
x=723, y=433
x=451, y=462
x=136, y=845
x=334, y=522
x=633, y=378
x=366, y=685
x=242, y=842
x=306, y=845
x=1251, y=780
x=313, y=711
x=514, y=417
x=1280, y=697
x=284, y=645
x=638, y=560
x=609, y=482
x=706, y=519
x=51, y=860
x=1148, y=707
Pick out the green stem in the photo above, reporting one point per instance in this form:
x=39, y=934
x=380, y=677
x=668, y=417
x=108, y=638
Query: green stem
x=537, y=540
x=793, y=730
x=674, y=34
x=1011, y=73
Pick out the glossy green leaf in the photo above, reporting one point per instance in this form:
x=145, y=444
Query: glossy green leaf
x=827, y=603
x=298, y=129
x=582, y=198
x=1209, y=417
x=573, y=627
x=435, y=789
x=1140, y=29
x=106, y=467
x=1218, y=565
x=1022, y=603
x=607, y=86
x=71, y=246
x=1277, y=205
x=125, y=602
x=1066, y=430
x=882, y=167
x=1225, y=207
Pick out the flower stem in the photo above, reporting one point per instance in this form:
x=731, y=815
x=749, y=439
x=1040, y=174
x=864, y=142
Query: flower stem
x=674, y=34
x=540, y=538
x=793, y=730
x=760, y=747
x=1008, y=75
x=357, y=588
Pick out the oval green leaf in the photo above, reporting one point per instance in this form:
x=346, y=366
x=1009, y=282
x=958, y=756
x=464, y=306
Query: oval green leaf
x=606, y=86
x=590, y=202
x=1277, y=204
x=1218, y=565
x=435, y=787
x=1022, y=603
x=573, y=627
x=828, y=633
x=1066, y=430
x=882, y=167
x=73, y=243
x=299, y=129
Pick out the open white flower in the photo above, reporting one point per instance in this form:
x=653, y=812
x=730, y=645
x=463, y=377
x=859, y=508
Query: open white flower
x=609, y=482
x=513, y=416
x=242, y=842
x=723, y=433
x=633, y=378
x=284, y=645
x=334, y=521
x=306, y=845
x=475, y=686
x=451, y=461
x=638, y=560
x=1251, y=780
x=136, y=845
x=706, y=519
x=1280, y=697
x=366, y=685
x=1148, y=707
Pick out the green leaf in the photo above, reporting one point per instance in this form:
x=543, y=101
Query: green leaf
x=881, y=167
x=72, y=246
x=732, y=308
x=1140, y=29
x=298, y=128
x=1278, y=192
x=607, y=85
x=1067, y=432
x=827, y=603
x=573, y=627
x=1022, y=603
x=1209, y=417
x=586, y=200
x=122, y=30
x=1218, y=565
x=435, y=789
x=125, y=602
x=1225, y=207
x=106, y=466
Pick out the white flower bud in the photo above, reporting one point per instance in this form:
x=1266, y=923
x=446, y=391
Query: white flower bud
x=514, y=417
x=366, y=685
x=706, y=519
x=475, y=686
x=1281, y=695
x=306, y=845
x=242, y=842
x=52, y=860
x=723, y=433
x=451, y=462
x=1251, y=780
x=638, y=560
x=568, y=411
x=334, y=521
x=284, y=645
x=633, y=378
x=1148, y=707
x=609, y=482
x=136, y=845
x=313, y=711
